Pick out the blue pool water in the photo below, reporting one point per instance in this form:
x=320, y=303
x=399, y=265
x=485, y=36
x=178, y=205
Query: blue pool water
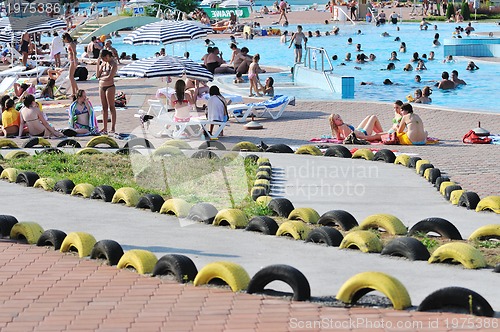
x=477, y=95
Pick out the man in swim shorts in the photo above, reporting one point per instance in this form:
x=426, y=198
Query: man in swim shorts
x=297, y=39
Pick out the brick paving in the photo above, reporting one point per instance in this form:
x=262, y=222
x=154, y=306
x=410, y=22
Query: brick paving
x=45, y=290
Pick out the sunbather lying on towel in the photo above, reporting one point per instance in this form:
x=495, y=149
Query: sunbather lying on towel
x=369, y=129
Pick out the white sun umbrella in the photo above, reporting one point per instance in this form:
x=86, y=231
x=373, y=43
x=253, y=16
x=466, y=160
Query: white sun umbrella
x=36, y=23
x=166, y=32
x=164, y=66
x=235, y=4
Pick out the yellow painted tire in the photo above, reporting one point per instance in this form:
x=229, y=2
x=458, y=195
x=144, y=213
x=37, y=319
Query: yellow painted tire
x=245, y=146
x=296, y=229
x=420, y=163
x=465, y=254
x=263, y=200
x=167, y=151
x=309, y=149
x=402, y=159
x=16, y=154
x=262, y=181
x=388, y=222
x=427, y=172
x=445, y=184
x=31, y=231
x=80, y=241
x=8, y=143
x=232, y=274
x=126, y=195
x=37, y=141
x=83, y=189
x=143, y=261
x=230, y=156
x=233, y=217
x=489, y=203
x=455, y=196
x=365, y=241
x=9, y=174
x=307, y=215
x=262, y=160
x=360, y=284
x=178, y=144
x=176, y=206
x=88, y=151
x=103, y=139
x=45, y=183
x=366, y=154
x=486, y=232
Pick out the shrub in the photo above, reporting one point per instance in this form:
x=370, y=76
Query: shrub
x=450, y=11
x=465, y=11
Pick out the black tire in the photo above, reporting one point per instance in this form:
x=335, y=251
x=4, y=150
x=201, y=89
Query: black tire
x=469, y=199
x=412, y=163
x=264, y=163
x=440, y=180
x=339, y=151
x=49, y=151
x=279, y=148
x=204, y=154
x=51, y=238
x=424, y=167
x=215, y=145
x=202, y=212
x=6, y=224
x=180, y=267
x=325, y=235
x=338, y=218
x=281, y=206
x=1, y=168
x=497, y=268
x=457, y=297
x=288, y=274
x=385, y=155
x=262, y=224
x=258, y=191
x=407, y=247
x=64, y=186
x=109, y=250
x=127, y=151
x=103, y=192
x=69, y=142
x=263, y=175
x=438, y=225
x=434, y=174
x=251, y=158
x=152, y=202
x=31, y=143
x=448, y=190
x=267, y=170
x=27, y=179
x=138, y=141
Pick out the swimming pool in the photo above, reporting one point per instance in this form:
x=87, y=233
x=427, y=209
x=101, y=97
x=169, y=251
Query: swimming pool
x=477, y=95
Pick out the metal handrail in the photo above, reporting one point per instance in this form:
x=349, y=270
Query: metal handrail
x=322, y=52
x=347, y=16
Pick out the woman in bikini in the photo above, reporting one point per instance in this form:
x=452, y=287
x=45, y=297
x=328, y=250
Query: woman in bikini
x=369, y=129
x=182, y=102
x=81, y=115
x=25, y=43
x=105, y=72
x=73, y=63
x=32, y=117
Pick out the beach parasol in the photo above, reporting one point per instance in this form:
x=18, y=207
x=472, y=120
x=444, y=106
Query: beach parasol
x=166, y=32
x=166, y=66
x=32, y=24
x=235, y=4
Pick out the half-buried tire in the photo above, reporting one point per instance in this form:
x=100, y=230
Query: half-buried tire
x=454, y=298
x=69, y=142
x=51, y=238
x=448, y=190
x=325, y=235
x=152, y=202
x=6, y=224
x=27, y=179
x=407, y=247
x=469, y=200
x=439, y=180
x=180, y=267
x=139, y=142
x=338, y=151
x=434, y=173
x=385, y=155
x=212, y=145
x=202, y=212
x=281, y=206
x=338, y=218
x=412, y=163
x=279, y=148
x=279, y=272
x=103, y=192
x=108, y=250
x=64, y=186
x=437, y=225
x=262, y=224
x=204, y=154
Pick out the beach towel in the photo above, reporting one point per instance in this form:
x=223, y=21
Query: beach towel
x=73, y=118
x=495, y=139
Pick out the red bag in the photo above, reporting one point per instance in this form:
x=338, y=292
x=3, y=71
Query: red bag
x=472, y=138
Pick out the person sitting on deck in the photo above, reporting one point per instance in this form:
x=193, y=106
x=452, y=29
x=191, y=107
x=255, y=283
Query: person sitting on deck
x=369, y=129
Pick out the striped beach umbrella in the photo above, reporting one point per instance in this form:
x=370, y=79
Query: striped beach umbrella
x=32, y=24
x=166, y=32
x=166, y=66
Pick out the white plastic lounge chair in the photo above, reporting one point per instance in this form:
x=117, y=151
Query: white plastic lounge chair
x=35, y=72
x=7, y=83
x=273, y=108
x=12, y=71
x=60, y=82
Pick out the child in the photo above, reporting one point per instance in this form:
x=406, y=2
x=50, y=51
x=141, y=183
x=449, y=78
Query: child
x=253, y=76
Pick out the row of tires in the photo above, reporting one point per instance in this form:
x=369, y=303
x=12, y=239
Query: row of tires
x=183, y=270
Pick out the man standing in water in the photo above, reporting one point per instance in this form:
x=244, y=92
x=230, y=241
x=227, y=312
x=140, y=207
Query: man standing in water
x=297, y=39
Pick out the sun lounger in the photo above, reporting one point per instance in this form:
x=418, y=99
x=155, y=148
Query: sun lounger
x=35, y=72
x=272, y=108
x=7, y=83
x=12, y=71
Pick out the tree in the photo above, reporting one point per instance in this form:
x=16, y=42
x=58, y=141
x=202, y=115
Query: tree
x=186, y=6
x=465, y=11
x=450, y=10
